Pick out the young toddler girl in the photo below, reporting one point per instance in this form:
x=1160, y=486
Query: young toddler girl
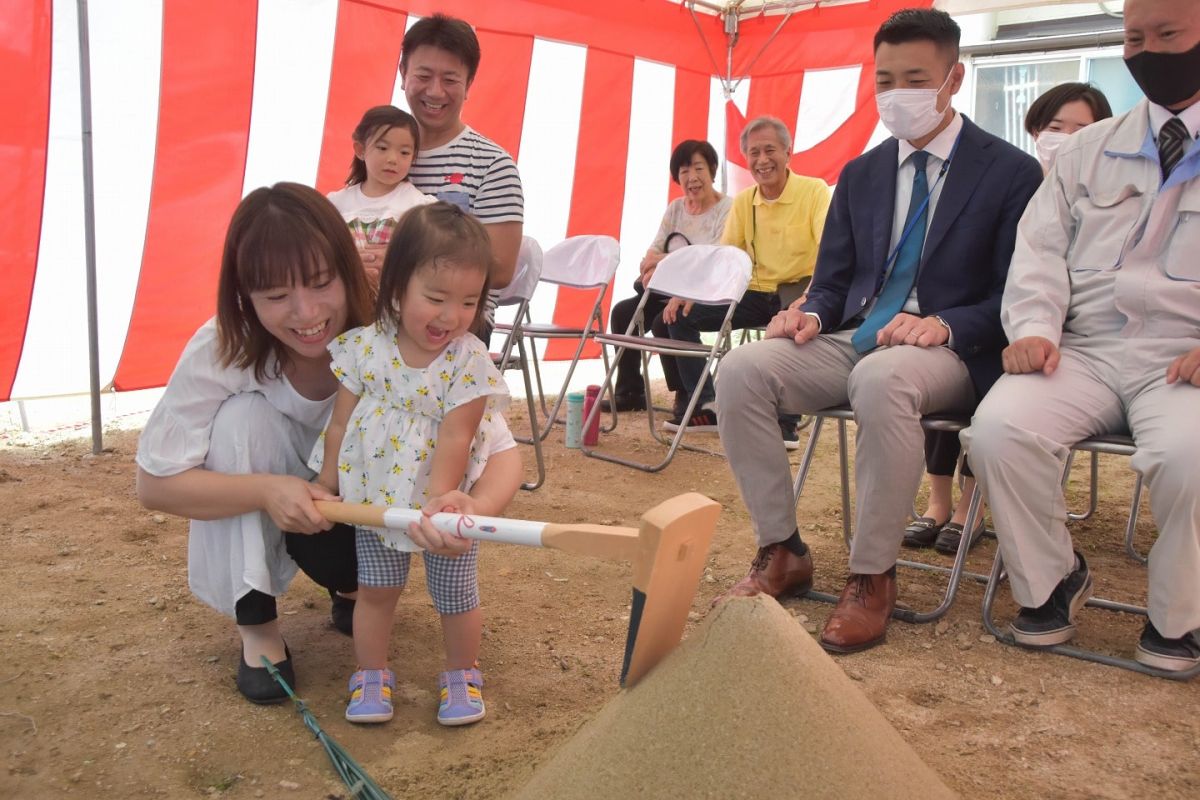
x=416, y=417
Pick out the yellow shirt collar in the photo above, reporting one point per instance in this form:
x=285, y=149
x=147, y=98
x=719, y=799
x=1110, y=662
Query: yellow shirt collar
x=791, y=191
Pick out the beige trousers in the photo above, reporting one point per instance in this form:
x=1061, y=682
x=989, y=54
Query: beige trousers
x=890, y=389
x=1019, y=440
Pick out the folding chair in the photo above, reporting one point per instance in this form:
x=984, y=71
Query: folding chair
x=956, y=573
x=580, y=262
x=1113, y=445
x=518, y=293
x=702, y=273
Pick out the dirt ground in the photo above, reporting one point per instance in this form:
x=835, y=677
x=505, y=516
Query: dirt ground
x=116, y=683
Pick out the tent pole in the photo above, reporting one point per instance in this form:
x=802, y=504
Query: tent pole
x=731, y=38
x=725, y=79
x=731, y=17
x=89, y=222
x=766, y=44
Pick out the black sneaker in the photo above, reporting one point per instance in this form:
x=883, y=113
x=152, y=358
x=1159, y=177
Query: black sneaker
x=704, y=420
x=679, y=405
x=1053, y=622
x=791, y=439
x=1174, y=655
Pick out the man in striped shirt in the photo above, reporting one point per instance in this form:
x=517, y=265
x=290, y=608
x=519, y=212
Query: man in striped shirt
x=437, y=65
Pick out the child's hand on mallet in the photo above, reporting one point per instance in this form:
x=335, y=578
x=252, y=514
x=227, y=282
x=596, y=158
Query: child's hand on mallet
x=426, y=536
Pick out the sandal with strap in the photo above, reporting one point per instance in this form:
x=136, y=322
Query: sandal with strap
x=923, y=532
x=461, y=697
x=371, y=695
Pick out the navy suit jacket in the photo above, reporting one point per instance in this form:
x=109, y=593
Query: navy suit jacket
x=968, y=243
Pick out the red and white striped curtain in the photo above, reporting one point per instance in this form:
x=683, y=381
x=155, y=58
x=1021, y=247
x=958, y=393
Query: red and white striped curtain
x=196, y=102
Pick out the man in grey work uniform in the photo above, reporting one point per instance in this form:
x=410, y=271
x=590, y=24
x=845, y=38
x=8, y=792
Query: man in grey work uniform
x=1102, y=307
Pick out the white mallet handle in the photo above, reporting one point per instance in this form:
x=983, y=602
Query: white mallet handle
x=602, y=541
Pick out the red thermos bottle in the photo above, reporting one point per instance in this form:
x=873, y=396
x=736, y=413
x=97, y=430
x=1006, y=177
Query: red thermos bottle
x=591, y=436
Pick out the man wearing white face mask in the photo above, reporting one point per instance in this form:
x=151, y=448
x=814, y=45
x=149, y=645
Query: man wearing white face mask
x=902, y=319
x=1101, y=307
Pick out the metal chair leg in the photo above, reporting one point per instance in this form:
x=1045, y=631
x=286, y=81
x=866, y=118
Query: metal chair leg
x=1135, y=506
x=535, y=439
x=806, y=460
x=844, y=464
x=1093, y=491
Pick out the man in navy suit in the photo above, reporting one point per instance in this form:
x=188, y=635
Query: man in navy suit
x=902, y=320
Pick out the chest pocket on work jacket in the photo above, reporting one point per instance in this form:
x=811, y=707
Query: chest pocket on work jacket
x=1182, y=261
x=1105, y=224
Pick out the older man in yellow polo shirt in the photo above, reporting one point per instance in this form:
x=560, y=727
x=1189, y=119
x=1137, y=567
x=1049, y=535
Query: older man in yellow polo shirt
x=778, y=222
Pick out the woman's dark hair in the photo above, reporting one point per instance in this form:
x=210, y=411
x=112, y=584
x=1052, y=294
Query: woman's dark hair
x=432, y=236
x=445, y=33
x=683, y=153
x=280, y=236
x=375, y=123
x=921, y=24
x=1051, y=101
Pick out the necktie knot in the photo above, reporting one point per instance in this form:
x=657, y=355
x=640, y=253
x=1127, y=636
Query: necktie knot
x=920, y=160
x=1170, y=144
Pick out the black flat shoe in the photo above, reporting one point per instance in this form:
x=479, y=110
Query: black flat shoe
x=625, y=402
x=341, y=613
x=951, y=535
x=257, y=685
x=923, y=532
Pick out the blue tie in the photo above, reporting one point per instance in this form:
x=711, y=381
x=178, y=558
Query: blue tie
x=899, y=283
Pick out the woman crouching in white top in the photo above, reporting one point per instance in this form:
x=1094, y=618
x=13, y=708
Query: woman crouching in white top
x=227, y=444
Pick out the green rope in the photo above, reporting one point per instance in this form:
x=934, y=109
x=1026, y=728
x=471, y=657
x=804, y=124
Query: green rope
x=357, y=780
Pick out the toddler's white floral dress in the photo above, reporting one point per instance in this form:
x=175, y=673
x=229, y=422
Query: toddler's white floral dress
x=387, y=452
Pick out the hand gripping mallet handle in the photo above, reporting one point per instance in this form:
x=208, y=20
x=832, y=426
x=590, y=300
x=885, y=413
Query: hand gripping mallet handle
x=600, y=541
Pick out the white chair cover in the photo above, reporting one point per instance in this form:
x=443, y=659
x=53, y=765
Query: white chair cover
x=582, y=261
x=715, y=274
x=529, y=272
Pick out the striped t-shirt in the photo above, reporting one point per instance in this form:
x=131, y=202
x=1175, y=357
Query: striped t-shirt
x=475, y=174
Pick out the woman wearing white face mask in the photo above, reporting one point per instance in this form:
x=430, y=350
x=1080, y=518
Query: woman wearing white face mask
x=1061, y=111
x=1052, y=117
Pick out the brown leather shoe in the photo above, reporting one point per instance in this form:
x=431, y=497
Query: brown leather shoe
x=776, y=571
x=860, y=620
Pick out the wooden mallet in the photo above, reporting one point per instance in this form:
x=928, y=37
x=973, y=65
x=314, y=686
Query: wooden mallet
x=668, y=553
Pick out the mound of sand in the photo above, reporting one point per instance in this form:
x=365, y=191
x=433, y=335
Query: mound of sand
x=749, y=706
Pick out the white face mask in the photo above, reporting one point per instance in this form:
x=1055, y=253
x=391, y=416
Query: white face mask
x=911, y=113
x=1047, y=144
